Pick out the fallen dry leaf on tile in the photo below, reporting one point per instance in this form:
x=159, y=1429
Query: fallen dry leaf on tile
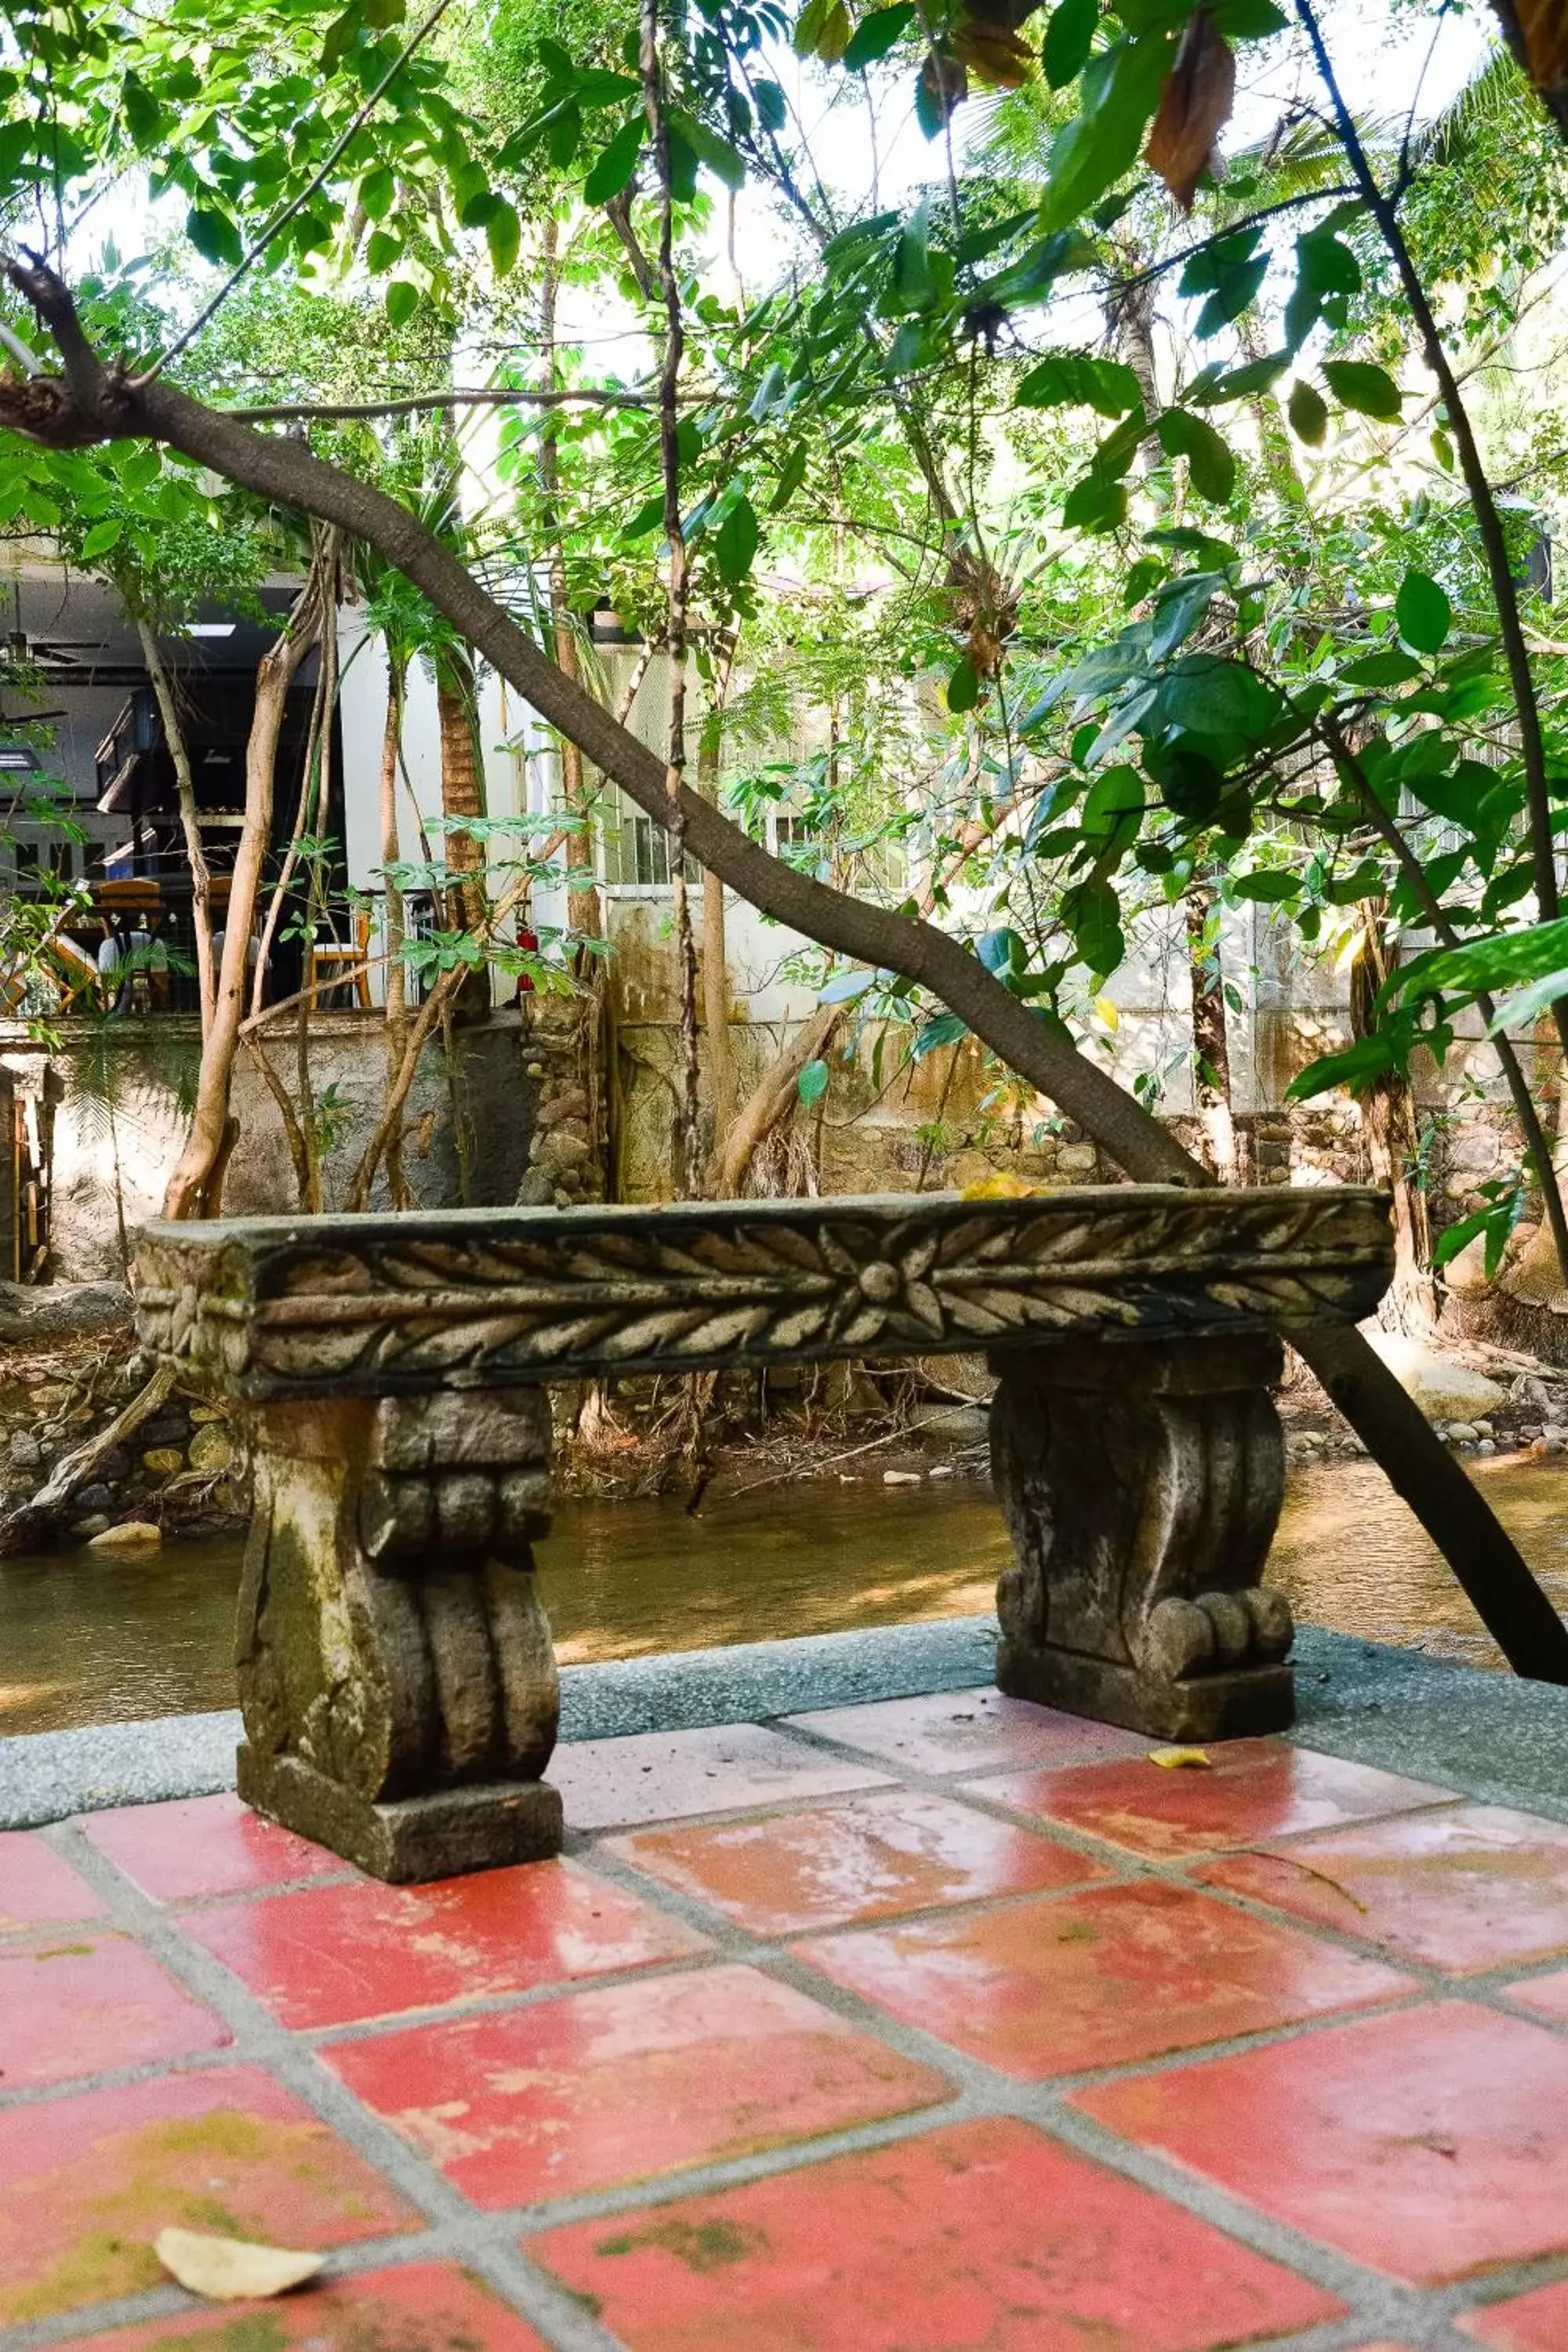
x=1177, y=1759
x=230, y=2269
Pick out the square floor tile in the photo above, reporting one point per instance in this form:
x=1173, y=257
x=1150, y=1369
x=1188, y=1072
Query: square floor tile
x=872, y=1859
x=985, y=2234
x=1430, y=2145
x=421, y=2307
x=1467, y=1887
x=206, y=1845
x=655, y=1775
x=332, y=1955
x=1057, y=1985
x=37, y=1888
x=1546, y=1995
x=1253, y=1788
x=1529, y=2323
x=88, y=2006
x=625, y=2081
x=956, y=1731
x=91, y=2178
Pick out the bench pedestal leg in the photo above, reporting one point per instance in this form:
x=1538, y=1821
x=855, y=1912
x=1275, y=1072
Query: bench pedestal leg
x=1142, y=1483
x=396, y=1675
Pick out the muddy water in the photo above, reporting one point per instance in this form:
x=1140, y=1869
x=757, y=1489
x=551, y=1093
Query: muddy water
x=84, y=1640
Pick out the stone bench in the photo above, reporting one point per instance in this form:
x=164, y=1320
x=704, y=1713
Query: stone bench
x=396, y=1676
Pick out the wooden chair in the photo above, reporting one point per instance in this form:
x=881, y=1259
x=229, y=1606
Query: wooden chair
x=327, y=956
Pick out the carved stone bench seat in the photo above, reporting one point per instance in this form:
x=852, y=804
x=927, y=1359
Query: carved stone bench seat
x=395, y=1672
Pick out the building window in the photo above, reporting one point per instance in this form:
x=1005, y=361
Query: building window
x=634, y=852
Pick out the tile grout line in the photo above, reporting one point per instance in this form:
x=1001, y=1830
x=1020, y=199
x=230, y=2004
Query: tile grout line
x=143, y=1917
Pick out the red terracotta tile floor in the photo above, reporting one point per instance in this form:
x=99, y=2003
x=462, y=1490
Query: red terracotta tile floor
x=951, y=2025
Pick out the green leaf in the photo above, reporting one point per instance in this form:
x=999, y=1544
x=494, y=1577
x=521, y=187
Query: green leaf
x=1073, y=380
x=962, y=686
x=1267, y=888
x=143, y=115
x=648, y=517
x=1095, y=505
x=1369, y=391
x=1210, y=463
x=1092, y=913
x=875, y=35
x=215, y=236
x=791, y=476
x=1357, y=1067
x=773, y=108
x=616, y=164
x=812, y=1083
x=682, y=167
x=102, y=538
x=1309, y=414
x=503, y=234
x=377, y=193
x=1422, y=612
x=1069, y=36
x=726, y=163
x=1208, y=696
x=401, y=300
x=1380, y=669
x=383, y=250
x=736, y=543
x=913, y=279
x=1231, y=296
x=1121, y=89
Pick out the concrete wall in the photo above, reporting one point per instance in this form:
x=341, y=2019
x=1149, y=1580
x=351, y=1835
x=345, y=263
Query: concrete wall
x=119, y=1130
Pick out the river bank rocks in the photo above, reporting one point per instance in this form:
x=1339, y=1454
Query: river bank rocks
x=180, y=1472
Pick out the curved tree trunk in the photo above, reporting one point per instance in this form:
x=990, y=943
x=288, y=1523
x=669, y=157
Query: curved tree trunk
x=206, y=1146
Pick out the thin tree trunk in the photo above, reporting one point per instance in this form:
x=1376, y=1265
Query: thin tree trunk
x=722, y=1085
x=775, y=1096
x=1388, y=1111
x=195, y=854
x=1211, y=1044
x=395, y=979
x=462, y=784
x=583, y=913
x=325, y=567
x=203, y=1150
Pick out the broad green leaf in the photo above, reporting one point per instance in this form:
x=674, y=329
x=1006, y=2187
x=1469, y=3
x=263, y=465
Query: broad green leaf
x=102, y=538
x=503, y=234
x=1121, y=89
x=1309, y=414
x=383, y=250
x=875, y=35
x=1422, y=612
x=812, y=1083
x=1092, y=913
x=725, y=161
x=1210, y=696
x=912, y=279
x=1231, y=296
x=791, y=476
x=401, y=300
x=682, y=167
x=1267, y=888
x=616, y=164
x=1210, y=463
x=736, y=543
x=1369, y=391
x=377, y=193
x=1072, y=379
x=215, y=235
x=1383, y=669
x=648, y=517
x=773, y=110
x=963, y=685
x=1358, y=1068
x=1069, y=36
x=1095, y=505
x=769, y=392
x=1484, y=967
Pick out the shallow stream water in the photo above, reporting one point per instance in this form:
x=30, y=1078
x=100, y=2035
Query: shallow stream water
x=86, y=1639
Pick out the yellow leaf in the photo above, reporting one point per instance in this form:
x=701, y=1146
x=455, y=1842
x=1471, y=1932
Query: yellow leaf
x=1002, y=1187
x=1177, y=1759
x=1110, y=1013
x=228, y=2269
